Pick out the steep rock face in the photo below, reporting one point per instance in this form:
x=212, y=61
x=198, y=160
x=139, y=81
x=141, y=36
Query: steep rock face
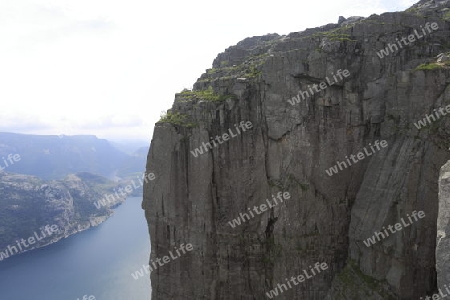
x=443, y=224
x=290, y=147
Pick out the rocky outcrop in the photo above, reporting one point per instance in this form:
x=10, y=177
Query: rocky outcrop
x=443, y=229
x=290, y=147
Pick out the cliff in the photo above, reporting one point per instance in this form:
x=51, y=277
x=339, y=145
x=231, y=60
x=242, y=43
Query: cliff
x=30, y=203
x=308, y=118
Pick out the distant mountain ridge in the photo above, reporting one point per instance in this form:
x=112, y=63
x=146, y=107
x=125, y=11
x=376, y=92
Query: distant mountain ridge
x=54, y=157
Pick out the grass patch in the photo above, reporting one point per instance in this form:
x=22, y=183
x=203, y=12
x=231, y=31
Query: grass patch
x=337, y=34
x=207, y=95
x=176, y=119
x=223, y=68
x=428, y=67
x=249, y=68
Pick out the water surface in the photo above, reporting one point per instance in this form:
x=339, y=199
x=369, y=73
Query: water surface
x=98, y=262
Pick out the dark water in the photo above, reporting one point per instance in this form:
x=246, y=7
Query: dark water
x=96, y=262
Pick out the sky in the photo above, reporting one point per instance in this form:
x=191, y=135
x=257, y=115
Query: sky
x=109, y=68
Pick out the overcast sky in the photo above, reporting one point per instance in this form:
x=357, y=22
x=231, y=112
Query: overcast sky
x=109, y=67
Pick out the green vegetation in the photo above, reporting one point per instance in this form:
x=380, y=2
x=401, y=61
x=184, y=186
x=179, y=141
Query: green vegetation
x=205, y=80
x=252, y=72
x=224, y=69
x=207, y=95
x=374, y=21
x=212, y=71
x=250, y=68
x=337, y=34
x=428, y=67
x=446, y=15
x=176, y=119
x=258, y=60
x=412, y=10
x=341, y=38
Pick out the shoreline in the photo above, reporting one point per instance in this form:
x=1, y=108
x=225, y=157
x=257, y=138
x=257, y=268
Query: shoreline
x=77, y=228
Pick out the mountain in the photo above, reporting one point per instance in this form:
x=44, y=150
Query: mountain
x=305, y=114
x=129, y=147
x=134, y=164
x=29, y=204
x=53, y=157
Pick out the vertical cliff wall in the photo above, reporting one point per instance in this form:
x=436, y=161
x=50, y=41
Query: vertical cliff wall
x=289, y=148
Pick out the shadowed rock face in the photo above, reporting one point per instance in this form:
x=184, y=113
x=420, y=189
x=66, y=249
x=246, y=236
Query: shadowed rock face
x=289, y=148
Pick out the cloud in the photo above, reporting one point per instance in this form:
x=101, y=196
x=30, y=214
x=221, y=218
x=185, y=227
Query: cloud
x=109, y=67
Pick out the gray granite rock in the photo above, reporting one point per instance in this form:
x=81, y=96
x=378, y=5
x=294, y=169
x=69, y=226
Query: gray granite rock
x=443, y=229
x=289, y=148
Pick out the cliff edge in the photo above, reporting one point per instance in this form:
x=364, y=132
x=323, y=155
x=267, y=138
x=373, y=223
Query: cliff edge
x=350, y=120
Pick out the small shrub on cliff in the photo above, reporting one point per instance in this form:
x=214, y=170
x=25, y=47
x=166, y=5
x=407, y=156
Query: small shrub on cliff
x=207, y=95
x=176, y=119
x=427, y=67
